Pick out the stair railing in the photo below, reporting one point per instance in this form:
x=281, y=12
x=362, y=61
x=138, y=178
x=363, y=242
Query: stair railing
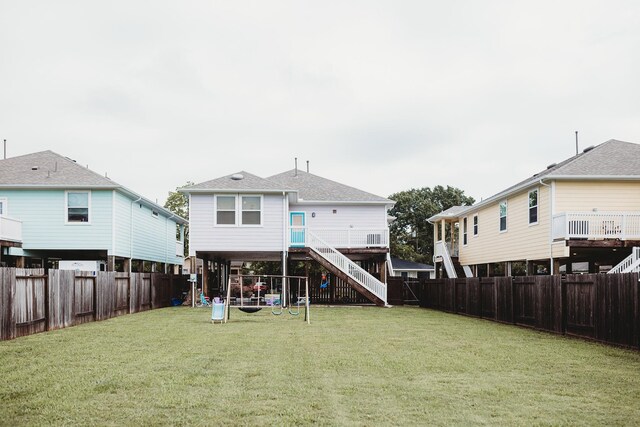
x=629, y=264
x=347, y=266
x=443, y=252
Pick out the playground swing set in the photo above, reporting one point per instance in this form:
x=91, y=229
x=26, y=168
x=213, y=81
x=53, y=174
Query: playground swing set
x=252, y=293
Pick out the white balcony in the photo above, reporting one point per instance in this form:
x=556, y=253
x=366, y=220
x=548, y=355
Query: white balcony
x=10, y=229
x=596, y=225
x=343, y=238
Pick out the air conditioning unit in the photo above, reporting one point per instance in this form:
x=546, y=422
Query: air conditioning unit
x=374, y=239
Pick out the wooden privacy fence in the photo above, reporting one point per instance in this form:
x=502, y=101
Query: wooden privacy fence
x=602, y=307
x=32, y=301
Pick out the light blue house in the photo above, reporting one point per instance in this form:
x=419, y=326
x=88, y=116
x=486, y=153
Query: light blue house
x=53, y=209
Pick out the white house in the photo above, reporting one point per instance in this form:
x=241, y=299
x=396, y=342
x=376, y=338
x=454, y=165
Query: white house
x=294, y=215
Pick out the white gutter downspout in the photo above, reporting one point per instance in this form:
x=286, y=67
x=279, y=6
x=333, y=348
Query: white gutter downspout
x=166, y=238
x=131, y=233
x=551, y=203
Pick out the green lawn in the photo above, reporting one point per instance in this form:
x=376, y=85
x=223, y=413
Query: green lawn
x=351, y=366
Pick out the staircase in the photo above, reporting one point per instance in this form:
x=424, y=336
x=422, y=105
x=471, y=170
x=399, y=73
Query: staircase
x=630, y=264
x=451, y=264
x=347, y=270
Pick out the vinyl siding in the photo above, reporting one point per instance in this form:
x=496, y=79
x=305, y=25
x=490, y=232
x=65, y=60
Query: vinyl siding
x=520, y=241
x=365, y=216
x=43, y=214
x=154, y=238
x=204, y=235
x=605, y=196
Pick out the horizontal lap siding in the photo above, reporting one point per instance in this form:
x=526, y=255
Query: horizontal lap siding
x=607, y=196
x=123, y=225
x=205, y=236
x=345, y=216
x=521, y=241
x=43, y=213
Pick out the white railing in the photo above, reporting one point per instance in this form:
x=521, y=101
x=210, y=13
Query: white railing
x=628, y=264
x=347, y=266
x=341, y=237
x=442, y=251
x=179, y=248
x=596, y=225
x=10, y=229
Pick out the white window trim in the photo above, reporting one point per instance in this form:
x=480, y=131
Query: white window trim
x=476, y=230
x=66, y=207
x=5, y=206
x=505, y=216
x=238, y=211
x=215, y=210
x=537, y=206
x=465, y=231
x=239, y=204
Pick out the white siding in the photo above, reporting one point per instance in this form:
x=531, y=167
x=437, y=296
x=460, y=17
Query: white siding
x=364, y=216
x=204, y=235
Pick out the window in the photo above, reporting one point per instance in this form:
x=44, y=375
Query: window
x=464, y=231
x=3, y=207
x=251, y=210
x=503, y=215
x=78, y=206
x=533, y=206
x=475, y=225
x=154, y=214
x=225, y=210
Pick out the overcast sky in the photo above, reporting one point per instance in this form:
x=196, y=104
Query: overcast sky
x=381, y=95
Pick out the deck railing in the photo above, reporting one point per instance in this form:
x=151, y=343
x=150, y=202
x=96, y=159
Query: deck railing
x=10, y=229
x=341, y=237
x=596, y=225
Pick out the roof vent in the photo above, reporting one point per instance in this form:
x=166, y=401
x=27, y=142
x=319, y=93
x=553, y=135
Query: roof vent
x=34, y=168
x=586, y=150
x=237, y=176
x=552, y=165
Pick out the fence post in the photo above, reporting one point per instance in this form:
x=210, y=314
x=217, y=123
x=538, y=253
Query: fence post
x=46, y=302
x=563, y=304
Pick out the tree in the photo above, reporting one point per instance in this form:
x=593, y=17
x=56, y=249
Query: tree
x=411, y=234
x=178, y=203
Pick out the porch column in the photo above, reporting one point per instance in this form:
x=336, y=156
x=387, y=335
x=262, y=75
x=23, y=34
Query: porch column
x=111, y=263
x=20, y=262
x=126, y=265
x=382, y=266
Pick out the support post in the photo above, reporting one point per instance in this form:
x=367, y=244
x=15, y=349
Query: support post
x=111, y=263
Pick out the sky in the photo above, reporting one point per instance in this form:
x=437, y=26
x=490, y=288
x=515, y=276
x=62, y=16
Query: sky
x=384, y=96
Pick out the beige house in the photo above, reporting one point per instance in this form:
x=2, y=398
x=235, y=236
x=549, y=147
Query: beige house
x=582, y=214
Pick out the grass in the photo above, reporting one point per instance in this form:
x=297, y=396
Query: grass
x=351, y=366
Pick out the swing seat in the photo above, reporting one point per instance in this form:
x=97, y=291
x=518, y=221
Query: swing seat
x=324, y=285
x=250, y=309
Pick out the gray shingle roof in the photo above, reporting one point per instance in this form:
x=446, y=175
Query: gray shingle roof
x=49, y=169
x=402, y=264
x=612, y=159
x=315, y=188
x=248, y=182
x=452, y=212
